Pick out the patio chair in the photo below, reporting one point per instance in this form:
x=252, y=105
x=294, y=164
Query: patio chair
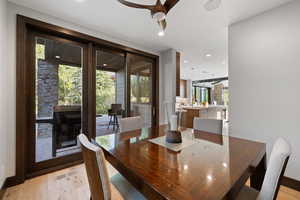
x=116, y=109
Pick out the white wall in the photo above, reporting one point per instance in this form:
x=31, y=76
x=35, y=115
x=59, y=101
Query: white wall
x=264, y=74
x=4, y=91
x=10, y=69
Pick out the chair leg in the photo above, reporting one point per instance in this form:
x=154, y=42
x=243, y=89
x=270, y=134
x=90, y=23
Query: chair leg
x=117, y=122
x=109, y=122
x=114, y=122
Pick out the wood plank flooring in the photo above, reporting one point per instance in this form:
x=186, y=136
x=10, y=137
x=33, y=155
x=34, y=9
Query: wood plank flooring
x=71, y=184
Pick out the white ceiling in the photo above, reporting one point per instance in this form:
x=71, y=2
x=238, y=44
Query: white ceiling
x=191, y=30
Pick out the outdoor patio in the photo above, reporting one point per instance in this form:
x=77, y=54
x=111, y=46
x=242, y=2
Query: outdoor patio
x=44, y=143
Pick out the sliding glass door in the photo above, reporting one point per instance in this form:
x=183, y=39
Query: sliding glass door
x=70, y=83
x=110, y=90
x=56, y=96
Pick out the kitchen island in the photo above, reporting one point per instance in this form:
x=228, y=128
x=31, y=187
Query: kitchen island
x=206, y=112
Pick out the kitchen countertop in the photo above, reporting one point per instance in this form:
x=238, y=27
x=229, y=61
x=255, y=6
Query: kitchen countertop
x=202, y=107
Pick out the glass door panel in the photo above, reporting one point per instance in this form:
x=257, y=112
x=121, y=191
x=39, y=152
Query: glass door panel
x=58, y=97
x=110, y=90
x=140, y=81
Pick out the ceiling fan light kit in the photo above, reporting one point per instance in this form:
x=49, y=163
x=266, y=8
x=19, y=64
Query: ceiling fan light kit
x=159, y=11
x=159, y=16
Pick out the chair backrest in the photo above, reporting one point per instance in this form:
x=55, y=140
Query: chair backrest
x=130, y=127
x=116, y=108
x=97, y=174
x=131, y=124
x=275, y=171
x=208, y=125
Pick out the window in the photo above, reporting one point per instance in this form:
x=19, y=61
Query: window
x=201, y=94
x=226, y=96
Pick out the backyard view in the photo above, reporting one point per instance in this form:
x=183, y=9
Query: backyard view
x=105, y=91
x=70, y=88
x=59, y=84
x=70, y=85
x=59, y=97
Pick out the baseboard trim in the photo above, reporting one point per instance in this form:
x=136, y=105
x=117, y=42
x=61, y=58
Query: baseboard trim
x=9, y=182
x=291, y=183
x=3, y=189
x=2, y=192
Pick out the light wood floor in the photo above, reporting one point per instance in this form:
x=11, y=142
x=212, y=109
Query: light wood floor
x=71, y=184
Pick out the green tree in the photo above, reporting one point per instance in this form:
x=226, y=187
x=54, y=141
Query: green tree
x=70, y=85
x=105, y=91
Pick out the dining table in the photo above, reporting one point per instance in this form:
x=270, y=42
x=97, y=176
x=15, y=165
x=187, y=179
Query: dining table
x=209, y=167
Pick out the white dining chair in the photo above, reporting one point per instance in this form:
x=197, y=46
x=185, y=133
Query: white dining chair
x=130, y=127
x=101, y=186
x=131, y=124
x=275, y=171
x=208, y=125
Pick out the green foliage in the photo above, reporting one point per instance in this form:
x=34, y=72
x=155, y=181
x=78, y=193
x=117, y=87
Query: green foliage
x=105, y=91
x=70, y=88
x=40, y=51
x=70, y=85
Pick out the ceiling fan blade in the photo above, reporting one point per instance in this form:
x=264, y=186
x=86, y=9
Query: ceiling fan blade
x=169, y=4
x=162, y=24
x=135, y=5
x=212, y=4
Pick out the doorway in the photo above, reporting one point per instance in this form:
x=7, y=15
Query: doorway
x=55, y=77
x=124, y=88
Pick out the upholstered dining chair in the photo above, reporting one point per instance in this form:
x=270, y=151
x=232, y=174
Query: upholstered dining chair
x=130, y=127
x=275, y=171
x=208, y=125
x=101, y=186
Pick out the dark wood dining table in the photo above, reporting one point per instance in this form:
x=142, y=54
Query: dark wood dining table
x=216, y=167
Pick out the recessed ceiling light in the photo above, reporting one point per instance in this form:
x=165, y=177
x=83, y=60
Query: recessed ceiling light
x=161, y=33
x=208, y=55
x=104, y=65
x=224, y=164
x=57, y=57
x=185, y=61
x=185, y=167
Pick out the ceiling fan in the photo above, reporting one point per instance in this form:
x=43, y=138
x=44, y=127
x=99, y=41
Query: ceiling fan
x=159, y=11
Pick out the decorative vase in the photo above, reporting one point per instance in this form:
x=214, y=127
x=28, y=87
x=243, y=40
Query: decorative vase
x=173, y=134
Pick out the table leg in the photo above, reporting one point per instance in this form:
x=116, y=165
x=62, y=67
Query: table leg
x=257, y=177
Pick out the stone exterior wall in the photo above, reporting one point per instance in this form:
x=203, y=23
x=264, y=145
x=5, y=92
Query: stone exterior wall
x=47, y=93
